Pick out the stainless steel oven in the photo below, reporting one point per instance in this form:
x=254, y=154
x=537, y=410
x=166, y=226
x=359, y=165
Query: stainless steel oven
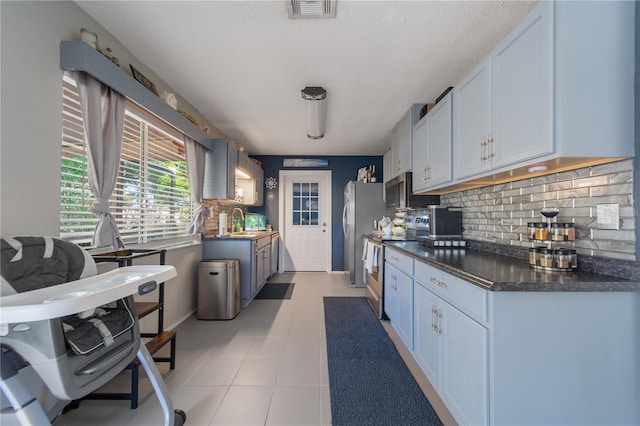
x=373, y=273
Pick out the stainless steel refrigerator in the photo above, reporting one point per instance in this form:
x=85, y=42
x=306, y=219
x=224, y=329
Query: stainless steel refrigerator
x=362, y=204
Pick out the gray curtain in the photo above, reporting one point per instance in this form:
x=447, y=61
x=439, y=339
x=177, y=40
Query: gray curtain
x=103, y=114
x=195, y=155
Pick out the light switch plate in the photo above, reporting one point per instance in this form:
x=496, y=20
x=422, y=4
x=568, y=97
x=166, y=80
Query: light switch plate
x=608, y=216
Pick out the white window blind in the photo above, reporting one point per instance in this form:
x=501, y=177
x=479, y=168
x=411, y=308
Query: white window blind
x=151, y=200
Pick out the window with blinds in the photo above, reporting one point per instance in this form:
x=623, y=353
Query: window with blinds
x=151, y=200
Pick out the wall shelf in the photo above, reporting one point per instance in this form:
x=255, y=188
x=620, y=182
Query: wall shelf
x=79, y=56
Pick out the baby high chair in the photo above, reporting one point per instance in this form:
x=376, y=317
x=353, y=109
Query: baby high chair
x=75, y=329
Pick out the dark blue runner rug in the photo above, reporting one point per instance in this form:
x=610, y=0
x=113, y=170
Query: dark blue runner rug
x=369, y=382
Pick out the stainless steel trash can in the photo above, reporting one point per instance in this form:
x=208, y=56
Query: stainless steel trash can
x=218, y=289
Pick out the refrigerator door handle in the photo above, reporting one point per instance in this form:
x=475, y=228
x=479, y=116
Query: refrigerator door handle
x=344, y=221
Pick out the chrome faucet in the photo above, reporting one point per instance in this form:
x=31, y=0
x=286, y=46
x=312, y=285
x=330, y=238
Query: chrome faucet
x=234, y=222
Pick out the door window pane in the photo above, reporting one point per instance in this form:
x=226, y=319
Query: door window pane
x=305, y=204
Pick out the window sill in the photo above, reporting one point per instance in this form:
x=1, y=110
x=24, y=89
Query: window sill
x=169, y=245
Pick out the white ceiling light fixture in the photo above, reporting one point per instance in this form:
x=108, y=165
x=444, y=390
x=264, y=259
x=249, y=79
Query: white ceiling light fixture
x=311, y=8
x=316, y=106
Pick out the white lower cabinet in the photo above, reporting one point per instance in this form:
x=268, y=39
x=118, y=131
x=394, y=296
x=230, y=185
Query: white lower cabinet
x=464, y=383
x=399, y=302
x=451, y=349
x=263, y=261
x=398, y=293
x=524, y=357
x=426, y=344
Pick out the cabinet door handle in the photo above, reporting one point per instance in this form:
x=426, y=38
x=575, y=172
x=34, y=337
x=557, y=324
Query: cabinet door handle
x=434, y=320
x=491, y=141
x=438, y=282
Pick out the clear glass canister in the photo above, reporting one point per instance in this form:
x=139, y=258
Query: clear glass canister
x=557, y=232
x=534, y=256
x=562, y=259
x=546, y=258
x=541, y=231
x=569, y=231
x=573, y=258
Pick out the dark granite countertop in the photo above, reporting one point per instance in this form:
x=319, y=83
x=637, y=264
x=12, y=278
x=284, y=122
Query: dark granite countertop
x=497, y=272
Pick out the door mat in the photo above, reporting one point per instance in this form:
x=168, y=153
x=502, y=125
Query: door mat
x=369, y=383
x=276, y=291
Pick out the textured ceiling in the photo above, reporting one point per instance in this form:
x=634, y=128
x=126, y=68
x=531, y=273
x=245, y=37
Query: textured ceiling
x=242, y=64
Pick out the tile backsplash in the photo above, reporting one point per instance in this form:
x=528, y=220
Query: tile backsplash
x=211, y=226
x=500, y=213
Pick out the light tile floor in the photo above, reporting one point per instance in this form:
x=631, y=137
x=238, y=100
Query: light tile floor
x=268, y=366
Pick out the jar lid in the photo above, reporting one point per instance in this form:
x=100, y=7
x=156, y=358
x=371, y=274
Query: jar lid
x=535, y=249
x=546, y=251
x=562, y=252
x=539, y=224
x=567, y=225
x=556, y=225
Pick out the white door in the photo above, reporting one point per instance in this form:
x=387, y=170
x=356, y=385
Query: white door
x=305, y=203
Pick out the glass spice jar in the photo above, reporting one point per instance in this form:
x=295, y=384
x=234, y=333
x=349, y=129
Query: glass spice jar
x=562, y=259
x=569, y=231
x=534, y=256
x=541, y=231
x=573, y=258
x=557, y=232
x=531, y=230
x=546, y=258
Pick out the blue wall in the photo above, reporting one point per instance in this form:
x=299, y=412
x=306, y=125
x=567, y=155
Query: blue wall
x=343, y=169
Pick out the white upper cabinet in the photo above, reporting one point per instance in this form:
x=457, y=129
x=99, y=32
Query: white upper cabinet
x=472, y=121
x=386, y=166
x=258, y=177
x=220, y=170
x=523, y=70
x=245, y=164
x=432, y=147
x=399, y=145
x=402, y=142
x=558, y=92
x=503, y=109
x=594, y=78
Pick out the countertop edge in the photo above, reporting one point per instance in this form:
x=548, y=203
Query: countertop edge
x=228, y=237
x=596, y=283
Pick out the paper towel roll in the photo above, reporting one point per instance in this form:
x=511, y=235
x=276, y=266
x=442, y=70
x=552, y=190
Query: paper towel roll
x=222, y=224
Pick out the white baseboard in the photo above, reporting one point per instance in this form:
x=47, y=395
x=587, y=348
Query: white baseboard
x=182, y=319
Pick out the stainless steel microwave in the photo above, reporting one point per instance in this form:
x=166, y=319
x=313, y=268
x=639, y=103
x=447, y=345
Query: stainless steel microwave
x=399, y=194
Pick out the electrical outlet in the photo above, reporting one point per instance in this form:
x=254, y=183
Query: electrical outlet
x=608, y=216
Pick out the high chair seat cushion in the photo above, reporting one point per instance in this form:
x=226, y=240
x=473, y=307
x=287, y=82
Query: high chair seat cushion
x=32, y=263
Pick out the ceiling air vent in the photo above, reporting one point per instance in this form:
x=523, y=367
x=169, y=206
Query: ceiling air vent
x=311, y=8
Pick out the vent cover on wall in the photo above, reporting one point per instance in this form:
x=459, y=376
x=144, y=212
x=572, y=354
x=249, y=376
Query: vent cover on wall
x=311, y=8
